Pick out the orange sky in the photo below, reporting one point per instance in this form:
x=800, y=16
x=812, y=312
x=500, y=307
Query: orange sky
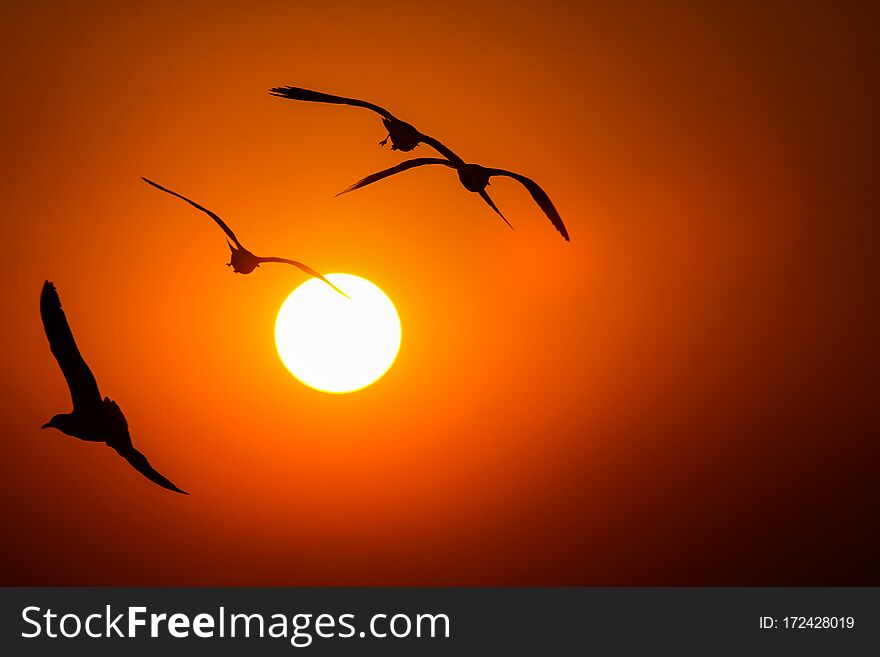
x=685, y=394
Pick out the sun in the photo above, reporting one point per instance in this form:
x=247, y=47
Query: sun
x=334, y=344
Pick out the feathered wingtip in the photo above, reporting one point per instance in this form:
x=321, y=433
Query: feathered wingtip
x=335, y=288
x=348, y=189
x=49, y=294
x=296, y=93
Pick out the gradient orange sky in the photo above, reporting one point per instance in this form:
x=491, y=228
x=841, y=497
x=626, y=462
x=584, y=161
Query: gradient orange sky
x=685, y=394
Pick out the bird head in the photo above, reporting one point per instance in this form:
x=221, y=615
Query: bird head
x=57, y=422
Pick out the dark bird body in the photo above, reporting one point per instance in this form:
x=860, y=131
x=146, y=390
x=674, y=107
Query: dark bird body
x=93, y=419
x=241, y=260
x=474, y=178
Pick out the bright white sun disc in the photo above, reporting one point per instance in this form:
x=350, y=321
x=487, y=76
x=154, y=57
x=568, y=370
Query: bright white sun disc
x=335, y=344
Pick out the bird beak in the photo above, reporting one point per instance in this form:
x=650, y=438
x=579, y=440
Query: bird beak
x=48, y=425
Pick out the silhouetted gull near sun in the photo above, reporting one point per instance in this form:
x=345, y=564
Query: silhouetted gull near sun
x=474, y=178
x=405, y=137
x=93, y=419
x=242, y=260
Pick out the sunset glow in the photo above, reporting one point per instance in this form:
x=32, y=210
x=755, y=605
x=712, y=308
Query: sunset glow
x=334, y=344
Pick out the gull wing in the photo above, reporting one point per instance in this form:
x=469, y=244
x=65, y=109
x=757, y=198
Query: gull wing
x=540, y=197
x=306, y=269
x=80, y=380
x=140, y=463
x=441, y=148
x=298, y=93
x=398, y=168
x=485, y=196
x=215, y=217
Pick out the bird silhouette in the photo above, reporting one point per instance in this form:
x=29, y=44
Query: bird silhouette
x=403, y=136
x=93, y=419
x=243, y=261
x=474, y=178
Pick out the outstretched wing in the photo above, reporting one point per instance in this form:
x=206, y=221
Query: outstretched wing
x=398, y=168
x=540, y=197
x=485, y=196
x=118, y=424
x=306, y=269
x=215, y=217
x=298, y=93
x=80, y=380
x=140, y=463
x=441, y=148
